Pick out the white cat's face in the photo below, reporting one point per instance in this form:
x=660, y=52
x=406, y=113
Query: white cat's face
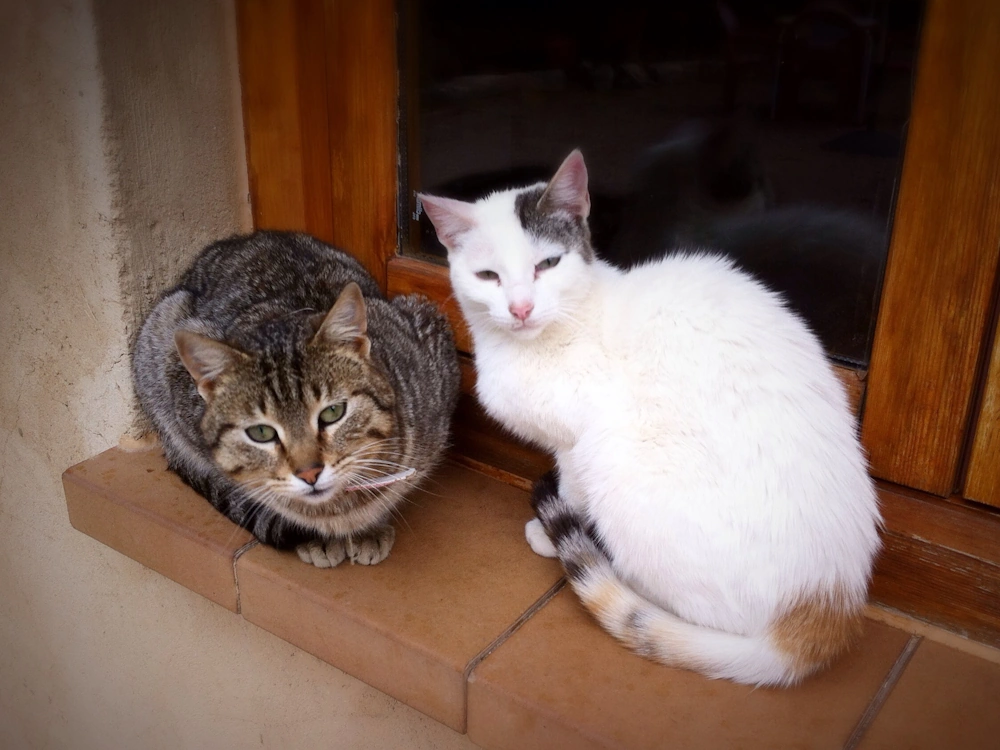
x=519, y=258
x=509, y=279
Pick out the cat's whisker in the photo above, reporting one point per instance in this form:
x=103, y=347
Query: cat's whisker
x=383, y=465
x=378, y=498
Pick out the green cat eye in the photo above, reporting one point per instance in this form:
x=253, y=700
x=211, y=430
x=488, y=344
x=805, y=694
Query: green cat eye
x=261, y=433
x=549, y=263
x=332, y=414
x=487, y=275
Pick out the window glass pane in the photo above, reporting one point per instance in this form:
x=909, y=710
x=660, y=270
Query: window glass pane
x=772, y=131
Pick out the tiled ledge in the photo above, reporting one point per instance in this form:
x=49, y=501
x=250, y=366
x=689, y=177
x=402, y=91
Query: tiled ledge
x=465, y=624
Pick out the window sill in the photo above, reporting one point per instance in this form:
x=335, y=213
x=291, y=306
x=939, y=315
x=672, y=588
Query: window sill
x=465, y=624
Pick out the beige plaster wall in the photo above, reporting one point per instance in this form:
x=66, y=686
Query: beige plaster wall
x=120, y=155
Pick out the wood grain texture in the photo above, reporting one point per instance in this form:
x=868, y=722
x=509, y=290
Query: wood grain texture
x=943, y=254
x=940, y=562
x=950, y=524
x=283, y=76
x=983, y=479
x=319, y=102
x=939, y=586
x=362, y=93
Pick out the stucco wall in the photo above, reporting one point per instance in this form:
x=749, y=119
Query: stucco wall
x=121, y=154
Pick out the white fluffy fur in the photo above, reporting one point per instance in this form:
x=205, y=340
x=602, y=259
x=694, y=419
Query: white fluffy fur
x=694, y=420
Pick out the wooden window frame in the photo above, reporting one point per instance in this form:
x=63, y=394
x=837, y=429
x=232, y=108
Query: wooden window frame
x=320, y=95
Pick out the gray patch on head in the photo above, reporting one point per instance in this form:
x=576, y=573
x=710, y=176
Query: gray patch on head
x=572, y=232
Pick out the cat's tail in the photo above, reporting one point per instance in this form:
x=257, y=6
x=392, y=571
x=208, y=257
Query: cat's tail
x=805, y=639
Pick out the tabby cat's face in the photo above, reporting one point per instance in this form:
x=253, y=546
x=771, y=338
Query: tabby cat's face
x=298, y=425
x=302, y=438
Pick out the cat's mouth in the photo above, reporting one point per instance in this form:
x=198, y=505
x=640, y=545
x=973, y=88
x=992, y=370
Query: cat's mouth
x=527, y=328
x=322, y=495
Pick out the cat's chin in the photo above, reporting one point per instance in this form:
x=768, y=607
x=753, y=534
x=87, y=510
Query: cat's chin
x=312, y=497
x=525, y=331
x=321, y=497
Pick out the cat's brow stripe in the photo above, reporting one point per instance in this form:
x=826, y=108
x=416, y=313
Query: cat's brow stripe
x=371, y=394
x=296, y=380
x=223, y=429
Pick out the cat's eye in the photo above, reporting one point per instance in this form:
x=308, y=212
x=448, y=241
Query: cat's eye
x=332, y=414
x=549, y=263
x=262, y=433
x=488, y=275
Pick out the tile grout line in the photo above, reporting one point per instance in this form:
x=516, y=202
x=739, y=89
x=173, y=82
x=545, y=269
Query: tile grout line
x=511, y=629
x=501, y=639
x=879, y=699
x=236, y=579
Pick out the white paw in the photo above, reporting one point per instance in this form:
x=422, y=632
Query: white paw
x=372, y=546
x=538, y=540
x=328, y=554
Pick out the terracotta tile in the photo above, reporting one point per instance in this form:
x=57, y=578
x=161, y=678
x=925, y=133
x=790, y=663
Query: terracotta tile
x=132, y=503
x=459, y=574
x=944, y=699
x=561, y=682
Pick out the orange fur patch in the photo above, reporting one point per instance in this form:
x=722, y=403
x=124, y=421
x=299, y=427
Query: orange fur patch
x=602, y=600
x=816, y=631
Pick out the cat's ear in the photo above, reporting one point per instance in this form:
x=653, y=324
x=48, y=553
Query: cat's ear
x=567, y=191
x=206, y=359
x=451, y=218
x=347, y=321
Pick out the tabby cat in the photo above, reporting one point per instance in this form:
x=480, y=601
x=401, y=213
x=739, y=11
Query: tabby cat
x=712, y=506
x=290, y=393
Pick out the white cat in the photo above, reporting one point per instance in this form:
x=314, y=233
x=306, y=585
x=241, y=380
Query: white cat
x=713, y=508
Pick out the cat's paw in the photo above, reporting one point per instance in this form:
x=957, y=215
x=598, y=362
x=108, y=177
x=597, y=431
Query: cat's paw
x=538, y=540
x=323, y=554
x=372, y=546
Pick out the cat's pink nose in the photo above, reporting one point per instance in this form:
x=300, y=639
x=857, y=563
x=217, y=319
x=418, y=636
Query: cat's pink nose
x=311, y=474
x=521, y=310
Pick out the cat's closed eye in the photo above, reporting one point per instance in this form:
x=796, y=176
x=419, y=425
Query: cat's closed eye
x=262, y=433
x=332, y=414
x=488, y=275
x=548, y=263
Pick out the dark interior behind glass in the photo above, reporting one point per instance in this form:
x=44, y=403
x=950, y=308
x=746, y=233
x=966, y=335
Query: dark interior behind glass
x=773, y=131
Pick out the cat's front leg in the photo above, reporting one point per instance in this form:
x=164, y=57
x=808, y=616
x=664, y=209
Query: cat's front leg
x=365, y=548
x=371, y=546
x=544, y=489
x=538, y=540
x=323, y=553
